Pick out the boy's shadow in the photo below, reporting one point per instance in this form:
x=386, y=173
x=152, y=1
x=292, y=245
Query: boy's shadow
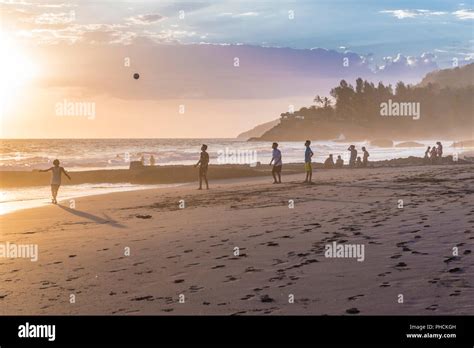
x=92, y=217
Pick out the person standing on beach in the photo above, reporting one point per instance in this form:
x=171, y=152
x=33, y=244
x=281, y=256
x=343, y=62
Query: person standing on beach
x=152, y=160
x=308, y=154
x=427, y=155
x=365, y=159
x=433, y=154
x=203, y=164
x=277, y=164
x=56, y=171
x=439, y=151
x=352, y=159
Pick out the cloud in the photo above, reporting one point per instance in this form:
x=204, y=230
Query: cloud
x=145, y=19
x=409, y=66
x=239, y=15
x=464, y=14
x=55, y=18
x=402, y=14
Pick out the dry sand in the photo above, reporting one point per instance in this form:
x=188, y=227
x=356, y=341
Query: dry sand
x=190, y=251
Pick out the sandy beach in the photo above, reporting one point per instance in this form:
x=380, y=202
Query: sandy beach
x=191, y=251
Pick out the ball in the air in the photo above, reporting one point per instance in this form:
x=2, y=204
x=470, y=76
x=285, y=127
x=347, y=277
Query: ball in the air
x=136, y=76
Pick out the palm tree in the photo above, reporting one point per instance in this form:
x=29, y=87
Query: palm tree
x=318, y=100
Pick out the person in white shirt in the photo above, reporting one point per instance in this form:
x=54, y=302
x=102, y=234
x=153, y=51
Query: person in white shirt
x=277, y=164
x=56, y=172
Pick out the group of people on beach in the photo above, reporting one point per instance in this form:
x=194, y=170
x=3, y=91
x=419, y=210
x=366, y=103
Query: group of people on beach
x=354, y=161
x=434, y=154
x=152, y=160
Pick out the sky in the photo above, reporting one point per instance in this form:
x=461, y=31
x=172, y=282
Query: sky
x=207, y=68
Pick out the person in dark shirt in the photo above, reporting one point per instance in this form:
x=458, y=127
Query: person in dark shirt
x=433, y=154
x=365, y=159
x=439, y=149
x=203, y=164
x=352, y=159
x=339, y=162
x=308, y=154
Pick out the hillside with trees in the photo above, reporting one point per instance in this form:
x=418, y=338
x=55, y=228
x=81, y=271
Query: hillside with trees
x=354, y=111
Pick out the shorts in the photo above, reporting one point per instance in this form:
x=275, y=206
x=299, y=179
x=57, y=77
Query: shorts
x=308, y=167
x=202, y=170
x=276, y=169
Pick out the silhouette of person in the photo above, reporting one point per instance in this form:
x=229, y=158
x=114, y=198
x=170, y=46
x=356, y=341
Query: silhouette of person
x=439, y=149
x=203, y=164
x=353, y=157
x=329, y=162
x=56, y=172
x=365, y=159
x=308, y=154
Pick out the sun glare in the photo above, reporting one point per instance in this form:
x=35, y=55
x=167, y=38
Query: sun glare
x=17, y=70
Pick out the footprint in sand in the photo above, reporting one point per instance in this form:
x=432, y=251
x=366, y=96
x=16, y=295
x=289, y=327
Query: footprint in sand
x=352, y=311
x=247, y=297
x=455, y=270
x=401, y=266
x=452, y=258
x=143, y=216
x=195, y=288
x=143, y=298
x=433, y=307
x=266, y=299
x=230, y=279
x=355, y=297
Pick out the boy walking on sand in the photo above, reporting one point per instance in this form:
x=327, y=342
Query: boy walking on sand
x=56, y=179
x=203, y=164
x=365, y=159
x=308, y=154
x=277, y=164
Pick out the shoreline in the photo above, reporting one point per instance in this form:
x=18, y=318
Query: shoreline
x=149, y=178
x=175, y=174
x=290, y=170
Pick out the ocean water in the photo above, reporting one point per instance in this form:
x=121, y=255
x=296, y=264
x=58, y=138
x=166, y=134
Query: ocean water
x=90, y=154
x=14, y=199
